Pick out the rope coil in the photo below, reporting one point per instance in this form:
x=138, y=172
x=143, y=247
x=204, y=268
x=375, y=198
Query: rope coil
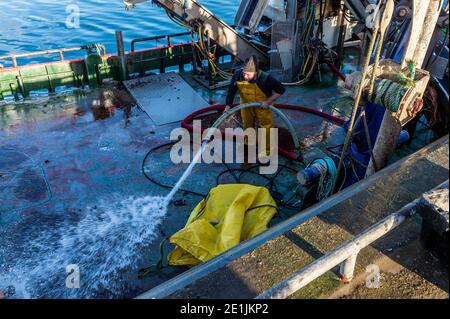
x=390, y=93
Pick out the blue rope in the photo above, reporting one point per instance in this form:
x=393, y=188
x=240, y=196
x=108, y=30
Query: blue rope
x=330, y=178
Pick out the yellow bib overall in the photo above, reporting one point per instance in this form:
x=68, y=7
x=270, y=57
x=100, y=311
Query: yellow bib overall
x=249, y=93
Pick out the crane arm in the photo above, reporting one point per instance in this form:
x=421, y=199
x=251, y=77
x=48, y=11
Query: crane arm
x=217, y=30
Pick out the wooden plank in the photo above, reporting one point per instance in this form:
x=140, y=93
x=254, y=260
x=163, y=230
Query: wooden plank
x=426, y=35
x=420, y=8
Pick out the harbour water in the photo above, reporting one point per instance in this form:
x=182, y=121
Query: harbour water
x=28, y=26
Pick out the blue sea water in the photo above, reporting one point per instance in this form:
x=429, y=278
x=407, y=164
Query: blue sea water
x=28, y=26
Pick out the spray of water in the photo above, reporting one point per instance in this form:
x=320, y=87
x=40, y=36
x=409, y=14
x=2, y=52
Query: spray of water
x=188, y=172
x=105, y=243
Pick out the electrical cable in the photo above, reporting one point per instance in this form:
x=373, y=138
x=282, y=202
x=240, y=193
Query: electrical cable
x=271, y=181
x=45, y=177
x=200, y=45
x=270, y=185
x=159, y=183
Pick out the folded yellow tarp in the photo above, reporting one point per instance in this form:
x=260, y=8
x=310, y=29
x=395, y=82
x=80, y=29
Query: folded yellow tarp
x=230, y=214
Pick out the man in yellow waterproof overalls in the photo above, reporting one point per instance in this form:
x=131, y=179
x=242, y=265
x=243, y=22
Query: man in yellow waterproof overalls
x=255, y=85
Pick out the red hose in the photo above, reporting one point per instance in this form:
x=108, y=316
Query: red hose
x=220, y=107
x=336, y=70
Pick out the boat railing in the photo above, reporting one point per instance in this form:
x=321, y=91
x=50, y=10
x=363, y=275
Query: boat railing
x=344, y=255
x=20, y=81
x=59, y=51
x=182, y=281
x=157, y=38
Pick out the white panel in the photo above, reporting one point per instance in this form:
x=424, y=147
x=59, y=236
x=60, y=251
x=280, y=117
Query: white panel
x=166, y=97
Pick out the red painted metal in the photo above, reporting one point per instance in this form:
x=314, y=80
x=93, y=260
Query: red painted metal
x=336, y=70
x=220, y=107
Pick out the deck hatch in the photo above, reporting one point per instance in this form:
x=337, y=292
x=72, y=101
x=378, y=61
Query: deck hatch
x=166, y=97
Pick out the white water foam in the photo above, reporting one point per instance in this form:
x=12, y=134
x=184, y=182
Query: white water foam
x=104, y=243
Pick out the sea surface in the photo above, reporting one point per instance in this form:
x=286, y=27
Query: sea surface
x=28, y=26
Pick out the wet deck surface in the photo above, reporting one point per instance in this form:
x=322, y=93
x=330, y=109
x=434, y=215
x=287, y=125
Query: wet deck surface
x=62, y=164
x=71, y=164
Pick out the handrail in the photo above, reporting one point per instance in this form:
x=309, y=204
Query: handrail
x=181, y=281
x=156, y=38
x=60, y=51
x=345, y=255
x=159, y=37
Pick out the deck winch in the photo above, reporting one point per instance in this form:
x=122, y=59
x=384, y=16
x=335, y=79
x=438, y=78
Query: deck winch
x=320, y=174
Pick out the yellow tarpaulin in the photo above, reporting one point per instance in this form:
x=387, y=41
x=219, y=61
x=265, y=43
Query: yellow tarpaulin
x=230, y=214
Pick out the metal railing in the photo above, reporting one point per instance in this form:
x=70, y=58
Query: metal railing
x=201, y=271
x=161, y=37
x=156, y=38
x=60, y=51
x=345, y=255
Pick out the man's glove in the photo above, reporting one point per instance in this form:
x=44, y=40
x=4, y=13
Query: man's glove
x=265, y=105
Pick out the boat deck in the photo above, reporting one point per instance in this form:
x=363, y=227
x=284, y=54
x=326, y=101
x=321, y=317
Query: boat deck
x=71, y=164
x=408, y=269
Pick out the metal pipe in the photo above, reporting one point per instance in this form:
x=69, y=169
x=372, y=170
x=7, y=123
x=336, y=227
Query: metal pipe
x=345, y=254
x=121, y=55
x=423, y=43
x=248, y=105
x=167, y=37
x=60, y=52
x=31, y=54
x=348, y=268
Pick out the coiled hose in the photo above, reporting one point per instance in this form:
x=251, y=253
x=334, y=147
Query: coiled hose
x=286, y=121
